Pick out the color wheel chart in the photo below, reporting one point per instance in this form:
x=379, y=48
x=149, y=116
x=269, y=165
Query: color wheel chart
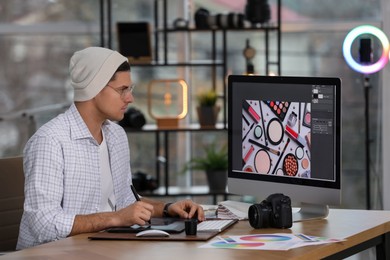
x=258, y=241
x=278, y=241
x=265, y=238
x=222, y=244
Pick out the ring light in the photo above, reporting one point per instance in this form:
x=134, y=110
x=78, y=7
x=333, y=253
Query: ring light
x=347, y=47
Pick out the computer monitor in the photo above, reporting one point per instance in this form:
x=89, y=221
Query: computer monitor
x=284, y=137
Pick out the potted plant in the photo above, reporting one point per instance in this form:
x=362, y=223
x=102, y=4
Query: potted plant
x=215, y=164
x=207, y=109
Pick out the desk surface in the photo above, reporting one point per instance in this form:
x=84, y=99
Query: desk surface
x=356, y=226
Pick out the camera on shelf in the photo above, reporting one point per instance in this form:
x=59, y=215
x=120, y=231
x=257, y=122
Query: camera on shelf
x=205, y=20
x=144, y=182
x=133, y=118
x=275, y=211
x=257, y=11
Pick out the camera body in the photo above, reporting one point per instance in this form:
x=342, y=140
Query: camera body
x=144, y=182
x=257, y=11
x=133, y=118
x=275, y=211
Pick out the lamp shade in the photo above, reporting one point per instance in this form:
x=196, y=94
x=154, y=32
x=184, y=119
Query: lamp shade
x=168, y=101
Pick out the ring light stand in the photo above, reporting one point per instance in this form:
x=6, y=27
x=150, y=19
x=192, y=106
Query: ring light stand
x=366, y=67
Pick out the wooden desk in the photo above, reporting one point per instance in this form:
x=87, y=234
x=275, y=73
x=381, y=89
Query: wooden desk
x=362, y=229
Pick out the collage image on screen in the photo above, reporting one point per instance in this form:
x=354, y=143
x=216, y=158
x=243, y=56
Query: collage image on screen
x=276, y=138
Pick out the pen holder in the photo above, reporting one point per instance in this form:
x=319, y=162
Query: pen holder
x=191, y=227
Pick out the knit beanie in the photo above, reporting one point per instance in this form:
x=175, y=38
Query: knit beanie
x=91, y=69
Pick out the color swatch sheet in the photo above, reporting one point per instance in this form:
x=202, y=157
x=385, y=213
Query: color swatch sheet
x=277, y=241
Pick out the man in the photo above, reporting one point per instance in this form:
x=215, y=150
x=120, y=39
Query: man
x=77, y=166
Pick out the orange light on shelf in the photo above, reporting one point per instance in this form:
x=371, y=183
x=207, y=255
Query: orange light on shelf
x=168, y=101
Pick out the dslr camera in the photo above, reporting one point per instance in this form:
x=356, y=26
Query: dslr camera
x=133, y=118
x=275, y=211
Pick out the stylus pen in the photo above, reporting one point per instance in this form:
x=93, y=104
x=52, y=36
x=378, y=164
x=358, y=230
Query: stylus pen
x=136, y=196
x=134, y=192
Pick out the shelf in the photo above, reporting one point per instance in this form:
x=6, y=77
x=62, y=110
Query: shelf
x=194, y=63
x=264, y=27
x=218, y=48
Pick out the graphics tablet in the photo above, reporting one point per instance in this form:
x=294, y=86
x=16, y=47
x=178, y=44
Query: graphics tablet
x=170, y=225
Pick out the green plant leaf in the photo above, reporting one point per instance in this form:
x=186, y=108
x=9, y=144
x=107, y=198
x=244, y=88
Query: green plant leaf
x=207, y=98
x=214, y=159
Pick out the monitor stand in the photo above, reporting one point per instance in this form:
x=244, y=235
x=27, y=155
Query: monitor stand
x=310, y=211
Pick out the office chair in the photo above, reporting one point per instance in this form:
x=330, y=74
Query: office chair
x=11, y=201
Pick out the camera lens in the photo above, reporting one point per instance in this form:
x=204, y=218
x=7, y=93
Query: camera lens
x=259, y=215
x=253, y=215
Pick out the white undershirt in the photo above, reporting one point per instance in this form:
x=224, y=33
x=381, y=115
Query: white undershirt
x=107, y=202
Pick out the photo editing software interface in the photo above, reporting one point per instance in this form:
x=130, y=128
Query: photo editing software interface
x=284, y=131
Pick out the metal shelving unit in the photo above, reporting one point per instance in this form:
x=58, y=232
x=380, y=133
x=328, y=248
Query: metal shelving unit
x=161, y=32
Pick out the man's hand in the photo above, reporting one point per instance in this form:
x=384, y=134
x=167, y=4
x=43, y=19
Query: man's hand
x=137, y=213
x=186, y=209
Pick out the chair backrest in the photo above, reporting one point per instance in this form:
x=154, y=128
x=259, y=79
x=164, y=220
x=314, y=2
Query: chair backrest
x=11, y=201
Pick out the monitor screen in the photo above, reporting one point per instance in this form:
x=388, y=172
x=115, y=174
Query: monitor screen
x=284, y=137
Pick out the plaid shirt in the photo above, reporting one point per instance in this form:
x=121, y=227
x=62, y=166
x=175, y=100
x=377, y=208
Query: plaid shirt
x=62, y=176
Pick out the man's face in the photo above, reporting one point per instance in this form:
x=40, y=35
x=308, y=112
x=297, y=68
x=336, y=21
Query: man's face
x=114, y=98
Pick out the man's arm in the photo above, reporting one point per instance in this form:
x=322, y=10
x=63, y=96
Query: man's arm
x=137, y=213
x=92, y=222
